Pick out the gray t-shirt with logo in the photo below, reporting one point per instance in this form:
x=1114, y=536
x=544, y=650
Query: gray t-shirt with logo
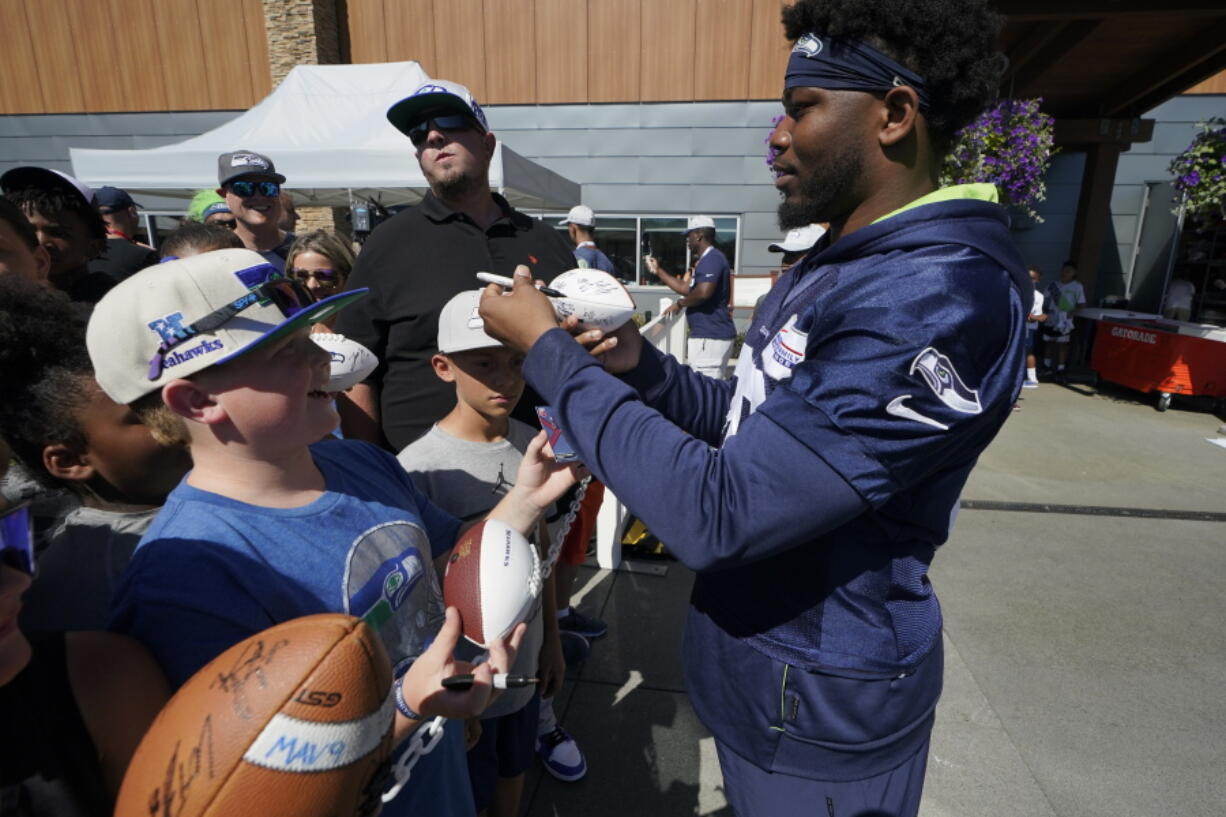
x=466, y=479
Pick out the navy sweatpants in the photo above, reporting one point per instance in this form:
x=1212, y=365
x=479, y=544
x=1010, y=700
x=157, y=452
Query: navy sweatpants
x=755, y=792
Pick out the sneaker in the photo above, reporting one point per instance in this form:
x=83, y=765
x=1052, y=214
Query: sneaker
x=586, y=626
x=1030, y=384
x=561, y=755
x=575, y=648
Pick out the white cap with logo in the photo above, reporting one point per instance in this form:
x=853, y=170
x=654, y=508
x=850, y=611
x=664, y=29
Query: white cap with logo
x=178, y=318
x=460, y=326
x=580, y=214
x=432, y=97
x=801, y=239
x=697, y=223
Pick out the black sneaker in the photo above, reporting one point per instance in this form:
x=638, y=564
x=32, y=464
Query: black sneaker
x=575, y=648
x=586, y=626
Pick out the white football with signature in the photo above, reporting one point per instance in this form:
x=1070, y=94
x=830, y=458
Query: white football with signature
x=596, y=298
x=351, y=361
x=493, y=578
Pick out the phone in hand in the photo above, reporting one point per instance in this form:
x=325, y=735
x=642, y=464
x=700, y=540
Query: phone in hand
x=645, y=245
x=562, y=452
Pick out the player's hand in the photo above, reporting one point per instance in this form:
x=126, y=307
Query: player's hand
x=552, y=667
x=518, y=318
x=653, y=265
x=422, y=686
x=618, y=351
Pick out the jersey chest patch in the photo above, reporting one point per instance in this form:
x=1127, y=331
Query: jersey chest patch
x=785, y=352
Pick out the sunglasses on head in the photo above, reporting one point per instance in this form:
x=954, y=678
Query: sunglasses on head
x=17, y=538
x=286, y=294
x=325, y=277
x=444, y=122
x=246, y=189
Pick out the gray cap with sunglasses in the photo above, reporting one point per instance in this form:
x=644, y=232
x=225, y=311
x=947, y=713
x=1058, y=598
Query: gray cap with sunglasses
x=240, y=164
x=436, y=98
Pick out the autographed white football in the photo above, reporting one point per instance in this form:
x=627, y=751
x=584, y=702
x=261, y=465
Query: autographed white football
x=493, y=576
x=596, y=298
x=351, y=361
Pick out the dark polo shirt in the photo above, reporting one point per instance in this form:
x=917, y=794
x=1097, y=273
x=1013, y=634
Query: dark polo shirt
x=414, y=263
x=123, y=258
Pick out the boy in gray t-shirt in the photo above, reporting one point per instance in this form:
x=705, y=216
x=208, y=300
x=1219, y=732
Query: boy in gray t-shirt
x=465, y=463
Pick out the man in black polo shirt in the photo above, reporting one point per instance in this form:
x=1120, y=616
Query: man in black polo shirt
x=418, y=260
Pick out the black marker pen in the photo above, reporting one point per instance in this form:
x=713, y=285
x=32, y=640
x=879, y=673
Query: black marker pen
x=491, y=278
x=501, y=681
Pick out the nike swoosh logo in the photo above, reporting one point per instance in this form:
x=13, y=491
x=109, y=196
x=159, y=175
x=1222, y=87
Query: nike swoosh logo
x=897, y=409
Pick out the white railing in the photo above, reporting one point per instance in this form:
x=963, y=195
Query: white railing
x=668, y=335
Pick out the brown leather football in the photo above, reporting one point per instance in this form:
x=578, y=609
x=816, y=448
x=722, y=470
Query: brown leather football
x=294, y=721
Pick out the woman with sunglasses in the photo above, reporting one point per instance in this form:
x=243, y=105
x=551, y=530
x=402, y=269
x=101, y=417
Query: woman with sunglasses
x=320, y=261
x=74, y=705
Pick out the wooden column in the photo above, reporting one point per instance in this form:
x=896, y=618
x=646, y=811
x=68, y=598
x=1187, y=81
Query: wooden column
x=1093, y=212
x=1102, y=140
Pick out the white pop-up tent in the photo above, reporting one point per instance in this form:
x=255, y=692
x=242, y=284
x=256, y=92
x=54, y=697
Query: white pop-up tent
x=325, y=128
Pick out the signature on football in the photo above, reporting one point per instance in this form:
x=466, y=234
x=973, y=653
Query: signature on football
x=181, y=771
x=248, y=668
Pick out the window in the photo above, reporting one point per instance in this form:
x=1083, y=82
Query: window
x=625, y=239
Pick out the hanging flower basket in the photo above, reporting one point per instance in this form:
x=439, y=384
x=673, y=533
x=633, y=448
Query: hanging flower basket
x=1010, y=145
x=1200, y=182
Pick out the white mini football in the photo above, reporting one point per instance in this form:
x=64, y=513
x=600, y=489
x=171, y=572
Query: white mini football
x=493, y=577
x=596, y=298
x=351, y=361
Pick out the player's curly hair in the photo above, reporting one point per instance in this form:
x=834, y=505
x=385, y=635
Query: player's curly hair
x=950, y=43
x=47, y=372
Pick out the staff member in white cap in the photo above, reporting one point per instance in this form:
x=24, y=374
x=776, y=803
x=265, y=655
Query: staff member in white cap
x=797, y=243
x=580, y=224
x=705, y=300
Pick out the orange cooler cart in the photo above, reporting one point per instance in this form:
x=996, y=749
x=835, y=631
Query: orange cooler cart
x=1169, y=357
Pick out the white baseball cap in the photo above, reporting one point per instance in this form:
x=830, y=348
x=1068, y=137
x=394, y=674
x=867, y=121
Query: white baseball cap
x=580, y=214
x=175, y=319
x=460, y=326
x=431, y=96
x=801, y=239
x=697, y=223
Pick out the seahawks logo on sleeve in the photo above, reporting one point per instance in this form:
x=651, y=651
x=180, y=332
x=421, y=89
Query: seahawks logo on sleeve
x=942, y=378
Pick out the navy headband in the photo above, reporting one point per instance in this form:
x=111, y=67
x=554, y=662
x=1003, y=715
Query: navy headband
x=847, y=65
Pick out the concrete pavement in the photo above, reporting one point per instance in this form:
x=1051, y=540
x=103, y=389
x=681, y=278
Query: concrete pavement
x=1084, y=653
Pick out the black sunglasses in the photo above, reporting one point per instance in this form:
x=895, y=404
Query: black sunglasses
x=445, y=122
x=286, y=294
x=228, y=223
x=246, y=189
x=326, y=277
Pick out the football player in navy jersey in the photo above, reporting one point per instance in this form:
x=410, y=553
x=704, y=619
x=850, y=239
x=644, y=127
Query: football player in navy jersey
x=823, y=478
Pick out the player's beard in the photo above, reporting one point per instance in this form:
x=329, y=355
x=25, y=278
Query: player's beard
x=822, y=191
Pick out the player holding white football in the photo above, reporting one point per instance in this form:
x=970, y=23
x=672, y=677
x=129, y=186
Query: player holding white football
x=818, y=485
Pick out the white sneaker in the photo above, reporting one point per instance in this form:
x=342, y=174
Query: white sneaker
x=561, y=755
x=1030, y=384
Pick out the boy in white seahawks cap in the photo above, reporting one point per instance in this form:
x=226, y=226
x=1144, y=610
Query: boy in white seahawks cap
x=270, y=524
